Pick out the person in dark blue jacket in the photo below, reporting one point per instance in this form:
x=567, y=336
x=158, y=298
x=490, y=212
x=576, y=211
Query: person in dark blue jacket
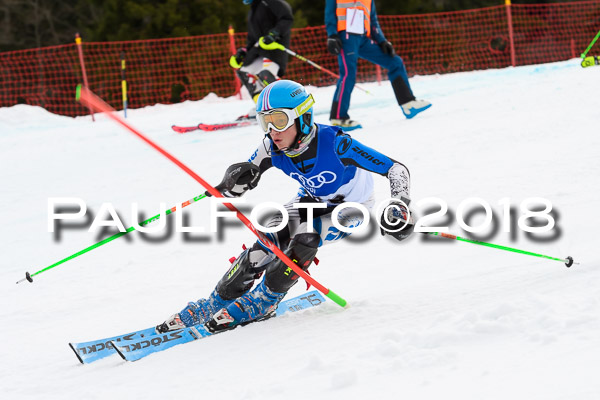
x=332, y=168
x=353, y=32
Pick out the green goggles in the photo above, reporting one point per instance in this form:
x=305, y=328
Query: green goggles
x=281, y=119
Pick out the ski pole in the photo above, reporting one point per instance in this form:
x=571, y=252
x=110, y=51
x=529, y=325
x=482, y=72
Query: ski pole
x=29, y=277
x=591, y=45
x=568, y=261
x=279, y=46
x=89, y=99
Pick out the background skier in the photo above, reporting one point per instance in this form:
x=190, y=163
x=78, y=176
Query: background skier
x=257, y=67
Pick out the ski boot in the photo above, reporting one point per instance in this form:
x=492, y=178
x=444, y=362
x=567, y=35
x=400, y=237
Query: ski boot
x=258, y=305
x=414, y=107
x=406, y=99
x=240, y=278
x=261, y=303
x=195, y=313
x=346, y=124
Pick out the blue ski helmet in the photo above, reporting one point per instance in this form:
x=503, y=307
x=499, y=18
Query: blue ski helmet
x=248, y=1
x=290, y=95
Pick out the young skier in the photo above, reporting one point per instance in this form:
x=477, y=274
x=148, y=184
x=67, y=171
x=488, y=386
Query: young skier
x=332, y=168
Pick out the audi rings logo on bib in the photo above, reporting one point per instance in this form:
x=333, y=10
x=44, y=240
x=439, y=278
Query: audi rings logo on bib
x=314, y=182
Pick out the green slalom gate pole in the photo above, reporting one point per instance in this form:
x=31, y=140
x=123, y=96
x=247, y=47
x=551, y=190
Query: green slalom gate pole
x=279, y=46
x=591, y=45
x=568, y=261
x=29, y=277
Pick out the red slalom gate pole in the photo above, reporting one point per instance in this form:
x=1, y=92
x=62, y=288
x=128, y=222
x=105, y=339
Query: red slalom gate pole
x=238, y=84
x=511, y=35
x=85, y=81
x=89, y=99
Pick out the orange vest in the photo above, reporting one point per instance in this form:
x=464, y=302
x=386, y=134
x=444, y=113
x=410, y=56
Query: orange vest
x=343, y=5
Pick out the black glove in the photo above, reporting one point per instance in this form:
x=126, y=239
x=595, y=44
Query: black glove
x=334, y=44
x=397, y=220
x=273, y=36
x=238, y=179
x=387, y=48
x=240, y=55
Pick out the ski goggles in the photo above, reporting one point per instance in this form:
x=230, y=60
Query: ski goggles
x=280, y=119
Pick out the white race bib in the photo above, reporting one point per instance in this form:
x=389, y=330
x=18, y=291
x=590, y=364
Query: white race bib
x=355, y=21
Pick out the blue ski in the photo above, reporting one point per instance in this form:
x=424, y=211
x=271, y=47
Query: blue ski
x=88, y=352
x=134, y=350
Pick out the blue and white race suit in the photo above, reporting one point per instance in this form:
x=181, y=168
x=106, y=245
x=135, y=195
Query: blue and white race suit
x=336, y=169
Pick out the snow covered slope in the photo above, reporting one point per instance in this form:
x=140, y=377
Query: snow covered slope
x=428, y=319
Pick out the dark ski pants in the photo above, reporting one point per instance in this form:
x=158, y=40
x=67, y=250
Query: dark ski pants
x=360, y=46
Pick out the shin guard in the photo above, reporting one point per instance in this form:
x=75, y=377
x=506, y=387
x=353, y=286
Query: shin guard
x=302, y=250
x=242, y=273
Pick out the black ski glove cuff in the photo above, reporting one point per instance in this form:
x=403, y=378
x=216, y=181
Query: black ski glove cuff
x=387, y=48
x=238, y=179
x=240, y=55
x=273, y=36
x=334, y=44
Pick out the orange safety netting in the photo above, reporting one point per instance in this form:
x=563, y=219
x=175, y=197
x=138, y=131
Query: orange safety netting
x=173, y=70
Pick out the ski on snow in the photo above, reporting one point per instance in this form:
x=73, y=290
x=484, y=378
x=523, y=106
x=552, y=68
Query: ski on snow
x=243, y=120
x=140, y=348
x=88, y=352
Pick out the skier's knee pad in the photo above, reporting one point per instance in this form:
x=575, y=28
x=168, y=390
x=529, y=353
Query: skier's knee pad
x=307, y=239
x=241, y=275
x=279, y=277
